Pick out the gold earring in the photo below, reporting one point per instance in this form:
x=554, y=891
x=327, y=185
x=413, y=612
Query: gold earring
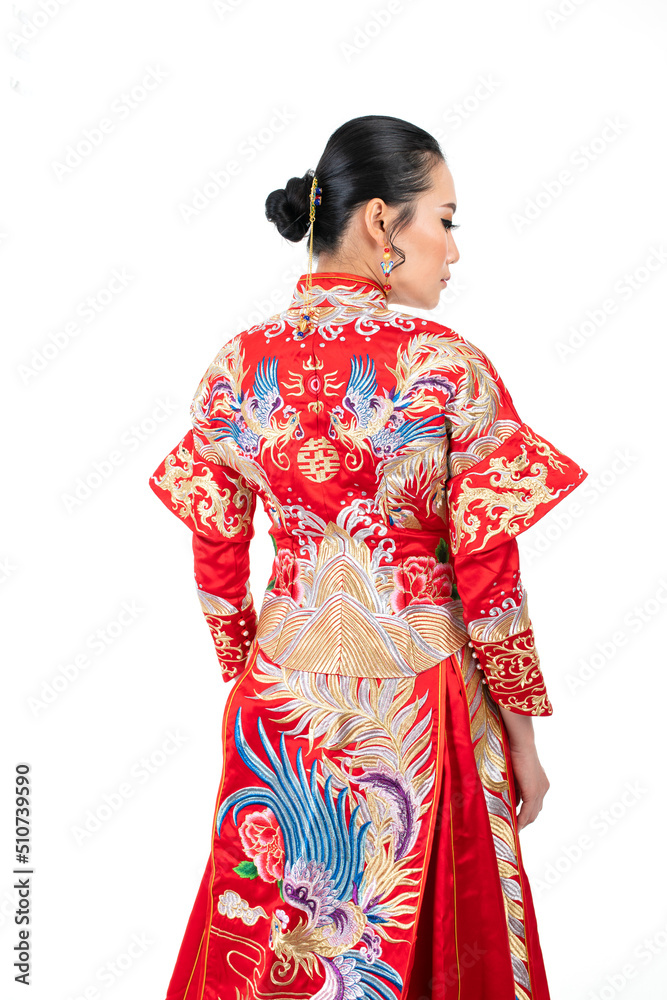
x=386, y=264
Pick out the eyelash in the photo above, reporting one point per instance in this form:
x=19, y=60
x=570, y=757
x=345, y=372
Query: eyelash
x=448, y=224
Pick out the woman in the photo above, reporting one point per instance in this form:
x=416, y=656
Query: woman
x=378, y=737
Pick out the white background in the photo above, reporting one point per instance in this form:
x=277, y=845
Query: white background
x=516, y=94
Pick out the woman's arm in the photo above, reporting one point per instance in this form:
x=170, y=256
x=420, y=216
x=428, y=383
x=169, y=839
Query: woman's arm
x=495, y=609
x=216, y=503
x=503, y=477
x=531, y=782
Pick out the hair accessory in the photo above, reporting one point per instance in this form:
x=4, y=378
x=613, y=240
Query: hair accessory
x=305, y=323
x=386, y=264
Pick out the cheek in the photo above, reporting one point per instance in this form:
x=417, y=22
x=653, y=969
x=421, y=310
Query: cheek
x=439, y=240
x=432, y=242
x=439, y=248
x=430, y=245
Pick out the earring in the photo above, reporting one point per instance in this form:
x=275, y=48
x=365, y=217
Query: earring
x=386, y=265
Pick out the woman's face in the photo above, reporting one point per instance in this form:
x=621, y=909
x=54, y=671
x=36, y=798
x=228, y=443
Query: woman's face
x=427, y=243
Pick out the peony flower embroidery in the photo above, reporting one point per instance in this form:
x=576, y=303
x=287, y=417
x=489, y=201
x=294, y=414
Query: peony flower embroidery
x=422, y=580
x=262, y=842
x=287, y=575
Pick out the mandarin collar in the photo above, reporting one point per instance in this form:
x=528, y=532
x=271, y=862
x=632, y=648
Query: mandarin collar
x=337, y=299
x=341, y=284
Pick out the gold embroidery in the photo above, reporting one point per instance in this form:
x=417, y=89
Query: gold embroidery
x=416, y=472
x=347, y=598
x=480, y=448
x=356, y=435
x=186, y=491
x=222, y=618
x=518, y=496
x=296, y=385
x=318, y=459
x=214, y=605
x=501, y=622
x=485, y=726
x=543, y=448
x=486, y=729
x=340, y=305
x=512, y=669
x=314, y=383
x=229, y=654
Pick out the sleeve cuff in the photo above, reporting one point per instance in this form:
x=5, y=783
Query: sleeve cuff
x=512, y=673
x=233, y=632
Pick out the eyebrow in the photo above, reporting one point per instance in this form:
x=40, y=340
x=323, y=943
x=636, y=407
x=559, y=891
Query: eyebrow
x=449, y=204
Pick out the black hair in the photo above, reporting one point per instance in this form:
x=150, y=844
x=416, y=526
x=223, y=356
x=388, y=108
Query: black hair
x=375, y=156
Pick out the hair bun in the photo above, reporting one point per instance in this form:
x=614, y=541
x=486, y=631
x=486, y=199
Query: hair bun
x=289, y=207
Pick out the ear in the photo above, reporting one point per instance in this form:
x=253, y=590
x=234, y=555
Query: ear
x=376, y=220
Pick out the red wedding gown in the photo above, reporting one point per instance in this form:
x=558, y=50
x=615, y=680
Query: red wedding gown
x=364, y=841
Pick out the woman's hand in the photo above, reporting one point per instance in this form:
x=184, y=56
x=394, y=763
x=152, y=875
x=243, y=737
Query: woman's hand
x=530, y=781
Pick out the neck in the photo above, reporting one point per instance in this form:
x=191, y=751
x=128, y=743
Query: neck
x=327, y=262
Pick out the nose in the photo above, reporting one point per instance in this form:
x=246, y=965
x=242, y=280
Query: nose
x=452, y=250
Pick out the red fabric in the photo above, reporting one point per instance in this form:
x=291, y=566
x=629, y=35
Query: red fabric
x=218, y=507
x=365, y=839
x=508, y=491
x=459, y=946
x=488, y=582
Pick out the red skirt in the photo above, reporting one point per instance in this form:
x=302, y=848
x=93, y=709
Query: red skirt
x=364, y=845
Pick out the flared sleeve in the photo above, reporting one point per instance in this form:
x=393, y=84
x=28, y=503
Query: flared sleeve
x=503, y=477
x=217, y=504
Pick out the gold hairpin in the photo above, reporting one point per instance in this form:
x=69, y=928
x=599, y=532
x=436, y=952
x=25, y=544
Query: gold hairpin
x=305, y=323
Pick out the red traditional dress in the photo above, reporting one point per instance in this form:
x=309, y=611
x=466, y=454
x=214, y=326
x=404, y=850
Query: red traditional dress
x=364, y=842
